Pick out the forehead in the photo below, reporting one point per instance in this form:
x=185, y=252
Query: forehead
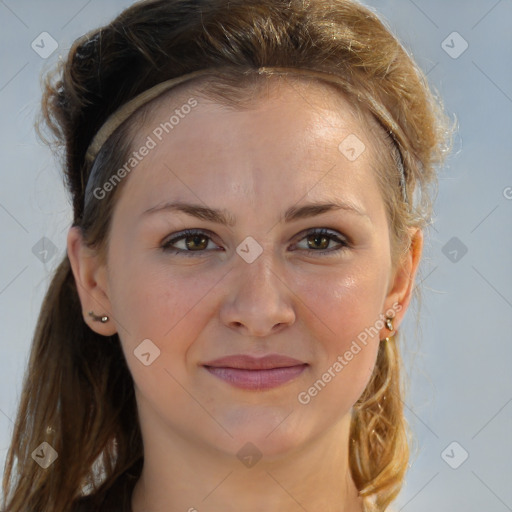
x=288, y=135
x=292, y=102
x=251, y=92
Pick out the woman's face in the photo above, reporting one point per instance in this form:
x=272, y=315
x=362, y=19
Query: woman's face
x=269, y=283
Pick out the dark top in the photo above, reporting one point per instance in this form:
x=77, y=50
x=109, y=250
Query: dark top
x=118, y=498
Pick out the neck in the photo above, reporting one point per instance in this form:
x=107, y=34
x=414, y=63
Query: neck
x=181, y=474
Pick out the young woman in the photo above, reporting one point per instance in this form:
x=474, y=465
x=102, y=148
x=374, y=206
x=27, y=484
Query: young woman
x=250, y=183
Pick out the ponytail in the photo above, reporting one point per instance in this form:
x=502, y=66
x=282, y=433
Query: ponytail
x=379, y=449
x=77, y=397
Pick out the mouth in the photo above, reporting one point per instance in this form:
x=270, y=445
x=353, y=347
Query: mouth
x=248, y=372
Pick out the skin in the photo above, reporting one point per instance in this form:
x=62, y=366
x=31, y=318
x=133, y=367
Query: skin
x=291, y=300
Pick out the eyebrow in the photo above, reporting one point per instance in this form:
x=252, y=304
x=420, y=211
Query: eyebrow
x=223, y=217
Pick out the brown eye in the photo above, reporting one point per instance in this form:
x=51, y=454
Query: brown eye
x=194, y=241
x=318, y=241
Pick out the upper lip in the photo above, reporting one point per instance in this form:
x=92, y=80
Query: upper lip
x=247, y=362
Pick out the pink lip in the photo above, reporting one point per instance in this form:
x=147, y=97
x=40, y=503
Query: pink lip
x=249, y=372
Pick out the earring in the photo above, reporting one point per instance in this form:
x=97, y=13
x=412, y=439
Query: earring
x=101, y=319
x=389, y=326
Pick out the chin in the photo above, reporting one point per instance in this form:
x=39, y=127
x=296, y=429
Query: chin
x=274, y=435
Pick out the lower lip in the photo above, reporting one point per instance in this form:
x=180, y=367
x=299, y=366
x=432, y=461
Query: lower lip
x=256, y=379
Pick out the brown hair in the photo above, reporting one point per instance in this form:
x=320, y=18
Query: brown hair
x=78, y=392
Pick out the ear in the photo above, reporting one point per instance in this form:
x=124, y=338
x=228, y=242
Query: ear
x=91, y=282
x=402, y=283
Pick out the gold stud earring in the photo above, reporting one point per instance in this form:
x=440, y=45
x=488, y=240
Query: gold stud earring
x=96, y=318
x=389, y=326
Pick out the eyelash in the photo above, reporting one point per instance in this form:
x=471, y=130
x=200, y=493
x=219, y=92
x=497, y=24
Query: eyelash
x=166, y=247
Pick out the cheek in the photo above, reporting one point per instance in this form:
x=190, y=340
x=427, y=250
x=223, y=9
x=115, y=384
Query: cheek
x=160, y=303
x=151, y=297
x=168, y=308
x=348, y=335
x=348, y=301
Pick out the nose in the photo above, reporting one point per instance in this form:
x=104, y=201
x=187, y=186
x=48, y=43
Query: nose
x=260, y=302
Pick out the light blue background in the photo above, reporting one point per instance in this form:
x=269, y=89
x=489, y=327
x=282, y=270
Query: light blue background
x=460, y=378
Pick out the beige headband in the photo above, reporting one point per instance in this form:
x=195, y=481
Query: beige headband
x=127, y=109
